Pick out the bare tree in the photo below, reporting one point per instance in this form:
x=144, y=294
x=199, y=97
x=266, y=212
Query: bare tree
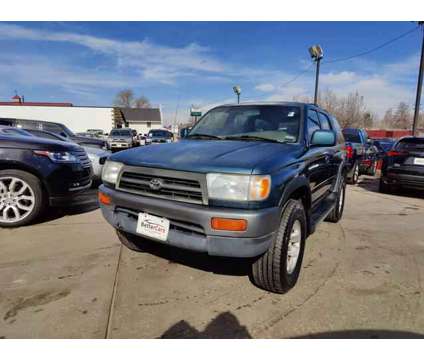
x=124, y=98
x=402, y=118
x=142, y=102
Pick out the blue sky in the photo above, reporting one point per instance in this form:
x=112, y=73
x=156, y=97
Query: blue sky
x=176, y=64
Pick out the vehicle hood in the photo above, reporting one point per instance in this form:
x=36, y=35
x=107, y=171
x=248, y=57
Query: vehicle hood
x=88, y=140
x=244, y=157
x=36, y=143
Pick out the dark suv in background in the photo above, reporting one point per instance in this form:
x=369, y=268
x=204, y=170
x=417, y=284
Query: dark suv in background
x=403, y=165
x=249, y=181
x=36, y=173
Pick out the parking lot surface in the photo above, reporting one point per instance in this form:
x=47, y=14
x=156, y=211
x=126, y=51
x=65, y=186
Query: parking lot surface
x=69, y=277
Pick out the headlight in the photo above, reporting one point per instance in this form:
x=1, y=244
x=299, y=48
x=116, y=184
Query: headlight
x=92, y=158
x=58, y=157
x=238, y=187
x=111, y=171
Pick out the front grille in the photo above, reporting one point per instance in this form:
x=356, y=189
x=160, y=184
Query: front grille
x=175, y=185
x=83, y=158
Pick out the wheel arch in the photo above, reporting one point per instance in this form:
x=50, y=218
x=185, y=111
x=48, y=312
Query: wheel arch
x=23, y=167
x=298, y=189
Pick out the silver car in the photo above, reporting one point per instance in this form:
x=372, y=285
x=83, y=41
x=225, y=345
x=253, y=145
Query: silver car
x=120, y=139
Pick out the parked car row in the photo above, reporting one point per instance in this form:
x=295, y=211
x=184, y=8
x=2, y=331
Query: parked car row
x=126, y=138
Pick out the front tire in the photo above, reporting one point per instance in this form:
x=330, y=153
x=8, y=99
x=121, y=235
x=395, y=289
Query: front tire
x=132, y=242
x=337, y=213
x=21, y=198
x=278, y=269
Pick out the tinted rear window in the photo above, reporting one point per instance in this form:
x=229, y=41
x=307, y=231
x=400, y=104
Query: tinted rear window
x=159, y=133
x=354, y=138
x=415, y=144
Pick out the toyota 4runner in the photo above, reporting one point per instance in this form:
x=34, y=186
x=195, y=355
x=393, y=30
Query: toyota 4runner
x=249, y=180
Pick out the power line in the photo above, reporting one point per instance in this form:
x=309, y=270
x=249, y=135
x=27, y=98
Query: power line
x=298, y=75
x=374, y=49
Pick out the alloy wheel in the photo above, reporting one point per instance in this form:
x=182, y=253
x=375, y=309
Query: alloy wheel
x=17, y=199
x=293, y=247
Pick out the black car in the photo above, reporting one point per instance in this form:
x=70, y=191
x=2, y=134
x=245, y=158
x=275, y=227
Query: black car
x=248, y=181
x=59, y=129
x=383, y=146
x=403, y=165
x=36, y=173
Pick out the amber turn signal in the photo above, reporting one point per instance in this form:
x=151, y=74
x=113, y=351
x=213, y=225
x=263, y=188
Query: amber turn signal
x=228, y=224
x=104, y=199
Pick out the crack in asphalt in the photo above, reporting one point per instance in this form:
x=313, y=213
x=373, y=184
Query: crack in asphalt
x=113, y=296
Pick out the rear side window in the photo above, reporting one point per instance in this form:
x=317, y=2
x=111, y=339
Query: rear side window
x=325, y=122
x=313, y=123
x=412, y=144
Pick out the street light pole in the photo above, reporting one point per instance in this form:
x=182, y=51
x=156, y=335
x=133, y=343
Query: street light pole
x=317, y=54
x=237, y=91
x=419, y=85
x=316, y=82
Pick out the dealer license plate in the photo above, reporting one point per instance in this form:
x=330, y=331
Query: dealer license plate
x=418, y=161
x=153, y=226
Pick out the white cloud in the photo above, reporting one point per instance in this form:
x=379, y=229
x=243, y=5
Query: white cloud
x=155, y=62
x=265, y=87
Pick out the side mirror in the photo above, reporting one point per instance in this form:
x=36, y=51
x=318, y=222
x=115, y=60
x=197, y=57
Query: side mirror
x=184, y=132
x=323, y=138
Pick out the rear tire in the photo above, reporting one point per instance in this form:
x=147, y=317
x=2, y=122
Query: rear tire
x=355, y=174
x=21, y=198
x=384, y=188
x=276, y=270
x=337, y=213
x=373, y=169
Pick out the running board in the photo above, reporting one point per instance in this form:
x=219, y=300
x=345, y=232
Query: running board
x=320, y=212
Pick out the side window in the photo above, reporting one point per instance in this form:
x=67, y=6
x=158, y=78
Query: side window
x=313, y=123
x=325, y=123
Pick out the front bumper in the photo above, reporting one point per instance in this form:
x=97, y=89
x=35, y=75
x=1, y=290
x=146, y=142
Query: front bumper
x=190, y=225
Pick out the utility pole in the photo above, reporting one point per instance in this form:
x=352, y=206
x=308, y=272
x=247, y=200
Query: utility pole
x=419, y=84
x=317, y=54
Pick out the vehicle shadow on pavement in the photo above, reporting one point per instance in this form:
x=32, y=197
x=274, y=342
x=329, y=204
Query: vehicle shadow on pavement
x=371, y=184
x=199, y=261
x=364, y=334
x=82, y=203
x=224, y=326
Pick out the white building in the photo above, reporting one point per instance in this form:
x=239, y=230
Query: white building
x=82, y=118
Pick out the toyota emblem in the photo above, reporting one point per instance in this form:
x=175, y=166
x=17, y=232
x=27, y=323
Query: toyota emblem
x=155, y=184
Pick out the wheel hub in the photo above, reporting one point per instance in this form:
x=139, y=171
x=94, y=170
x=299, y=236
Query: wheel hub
x=293, y=247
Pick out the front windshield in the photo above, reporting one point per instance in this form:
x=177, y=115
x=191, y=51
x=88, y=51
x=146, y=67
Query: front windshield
x=269, y=122
x=120, y=133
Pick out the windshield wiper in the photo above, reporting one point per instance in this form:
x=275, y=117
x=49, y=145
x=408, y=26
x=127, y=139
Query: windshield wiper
x=204, y=136
x=250, y=137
